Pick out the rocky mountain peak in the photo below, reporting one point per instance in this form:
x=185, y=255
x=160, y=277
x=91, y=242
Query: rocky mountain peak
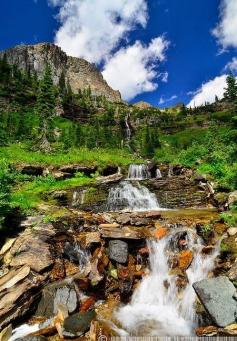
x=78, y=72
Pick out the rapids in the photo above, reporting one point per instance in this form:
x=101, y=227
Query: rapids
x=129, y=197
x=157, y=308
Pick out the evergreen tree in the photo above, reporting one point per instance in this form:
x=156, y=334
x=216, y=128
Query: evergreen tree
x=5, y=70
x=62, y=84
x=231, y=89
x=46, y=107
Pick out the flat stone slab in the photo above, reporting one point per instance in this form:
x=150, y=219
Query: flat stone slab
x=218, y=296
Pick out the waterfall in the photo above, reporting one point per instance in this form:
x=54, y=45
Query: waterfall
x=128, y=130
x=128, y=197
x=78, y=198
x=138, y=172
x=158, y=174
x=157, y=307
x=22, y=331
x=170, y=172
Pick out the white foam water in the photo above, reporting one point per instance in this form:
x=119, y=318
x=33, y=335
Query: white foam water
x=128, y=197
x=157, y=308
x=128, y=130
x=23, y=331
x=78, y=198
x=158, y=174
x=138, y=172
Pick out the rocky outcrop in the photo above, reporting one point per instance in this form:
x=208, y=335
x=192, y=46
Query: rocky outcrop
x=78, y=72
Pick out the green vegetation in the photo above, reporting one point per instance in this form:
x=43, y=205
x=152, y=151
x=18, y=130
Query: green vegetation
x=213, y=151
x=19, y=153
x=50, y=125
x=31, y=194
x=231, y=89
x=45, y=106
x=6, y=181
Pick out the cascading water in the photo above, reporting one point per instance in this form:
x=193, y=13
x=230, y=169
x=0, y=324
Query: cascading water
x=157, y=308
x=128, y=197
x=128, y=130
x=171, y=171
x=78, y=198
x=138, y=172
x=158, y=174
x=22, y=331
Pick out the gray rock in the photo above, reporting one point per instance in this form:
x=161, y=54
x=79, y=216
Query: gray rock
x=217, y=296
x=55, y=294
x=76, y=325
x=124, y=219
x=232, y=273
x=232, y=198
x=118, y=251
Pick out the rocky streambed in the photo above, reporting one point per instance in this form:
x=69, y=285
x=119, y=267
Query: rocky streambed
x=97, y=273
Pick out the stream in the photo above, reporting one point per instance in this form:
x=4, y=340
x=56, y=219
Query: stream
x=158, y=306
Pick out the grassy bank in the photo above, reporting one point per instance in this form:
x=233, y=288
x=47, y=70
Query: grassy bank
x=212, y=151
x=29, y=195
x=19, y=153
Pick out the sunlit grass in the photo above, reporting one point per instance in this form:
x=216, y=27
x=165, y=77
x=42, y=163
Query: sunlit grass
x=18, y=153
x=30, y=194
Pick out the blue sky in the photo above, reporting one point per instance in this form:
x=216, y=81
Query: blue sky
x=160, y=51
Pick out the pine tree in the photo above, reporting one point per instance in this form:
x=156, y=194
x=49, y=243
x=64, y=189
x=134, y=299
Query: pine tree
x=231, y=90
x=46, y=107
x=5, y=70
x=62, y=84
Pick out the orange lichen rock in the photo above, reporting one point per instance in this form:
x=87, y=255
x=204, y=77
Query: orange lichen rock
x=161, y=232
x=185, y=259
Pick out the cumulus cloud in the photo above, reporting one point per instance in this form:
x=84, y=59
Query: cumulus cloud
x=208, y=91
x=98, y=31
x=227, y=27
x=92, y=29
x=133, y=69
x=232, y=65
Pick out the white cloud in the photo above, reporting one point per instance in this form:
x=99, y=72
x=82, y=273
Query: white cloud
x=208, y=91
x=92, y=29
x=166, y=100
x=226, y=30
x=232, y=66
x=132, y=70
x=98, y=31
x=164, y=77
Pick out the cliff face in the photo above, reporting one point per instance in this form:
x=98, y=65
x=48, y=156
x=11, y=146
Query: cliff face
x=80, y=73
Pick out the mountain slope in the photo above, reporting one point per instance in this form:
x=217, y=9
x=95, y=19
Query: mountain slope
x=78, y=72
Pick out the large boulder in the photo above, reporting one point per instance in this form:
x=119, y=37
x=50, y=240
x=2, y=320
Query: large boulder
x=56, y=294
x=118, y=251
x=19, y=289
x=76, y=325
x=32, y=248
x=218, y=296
